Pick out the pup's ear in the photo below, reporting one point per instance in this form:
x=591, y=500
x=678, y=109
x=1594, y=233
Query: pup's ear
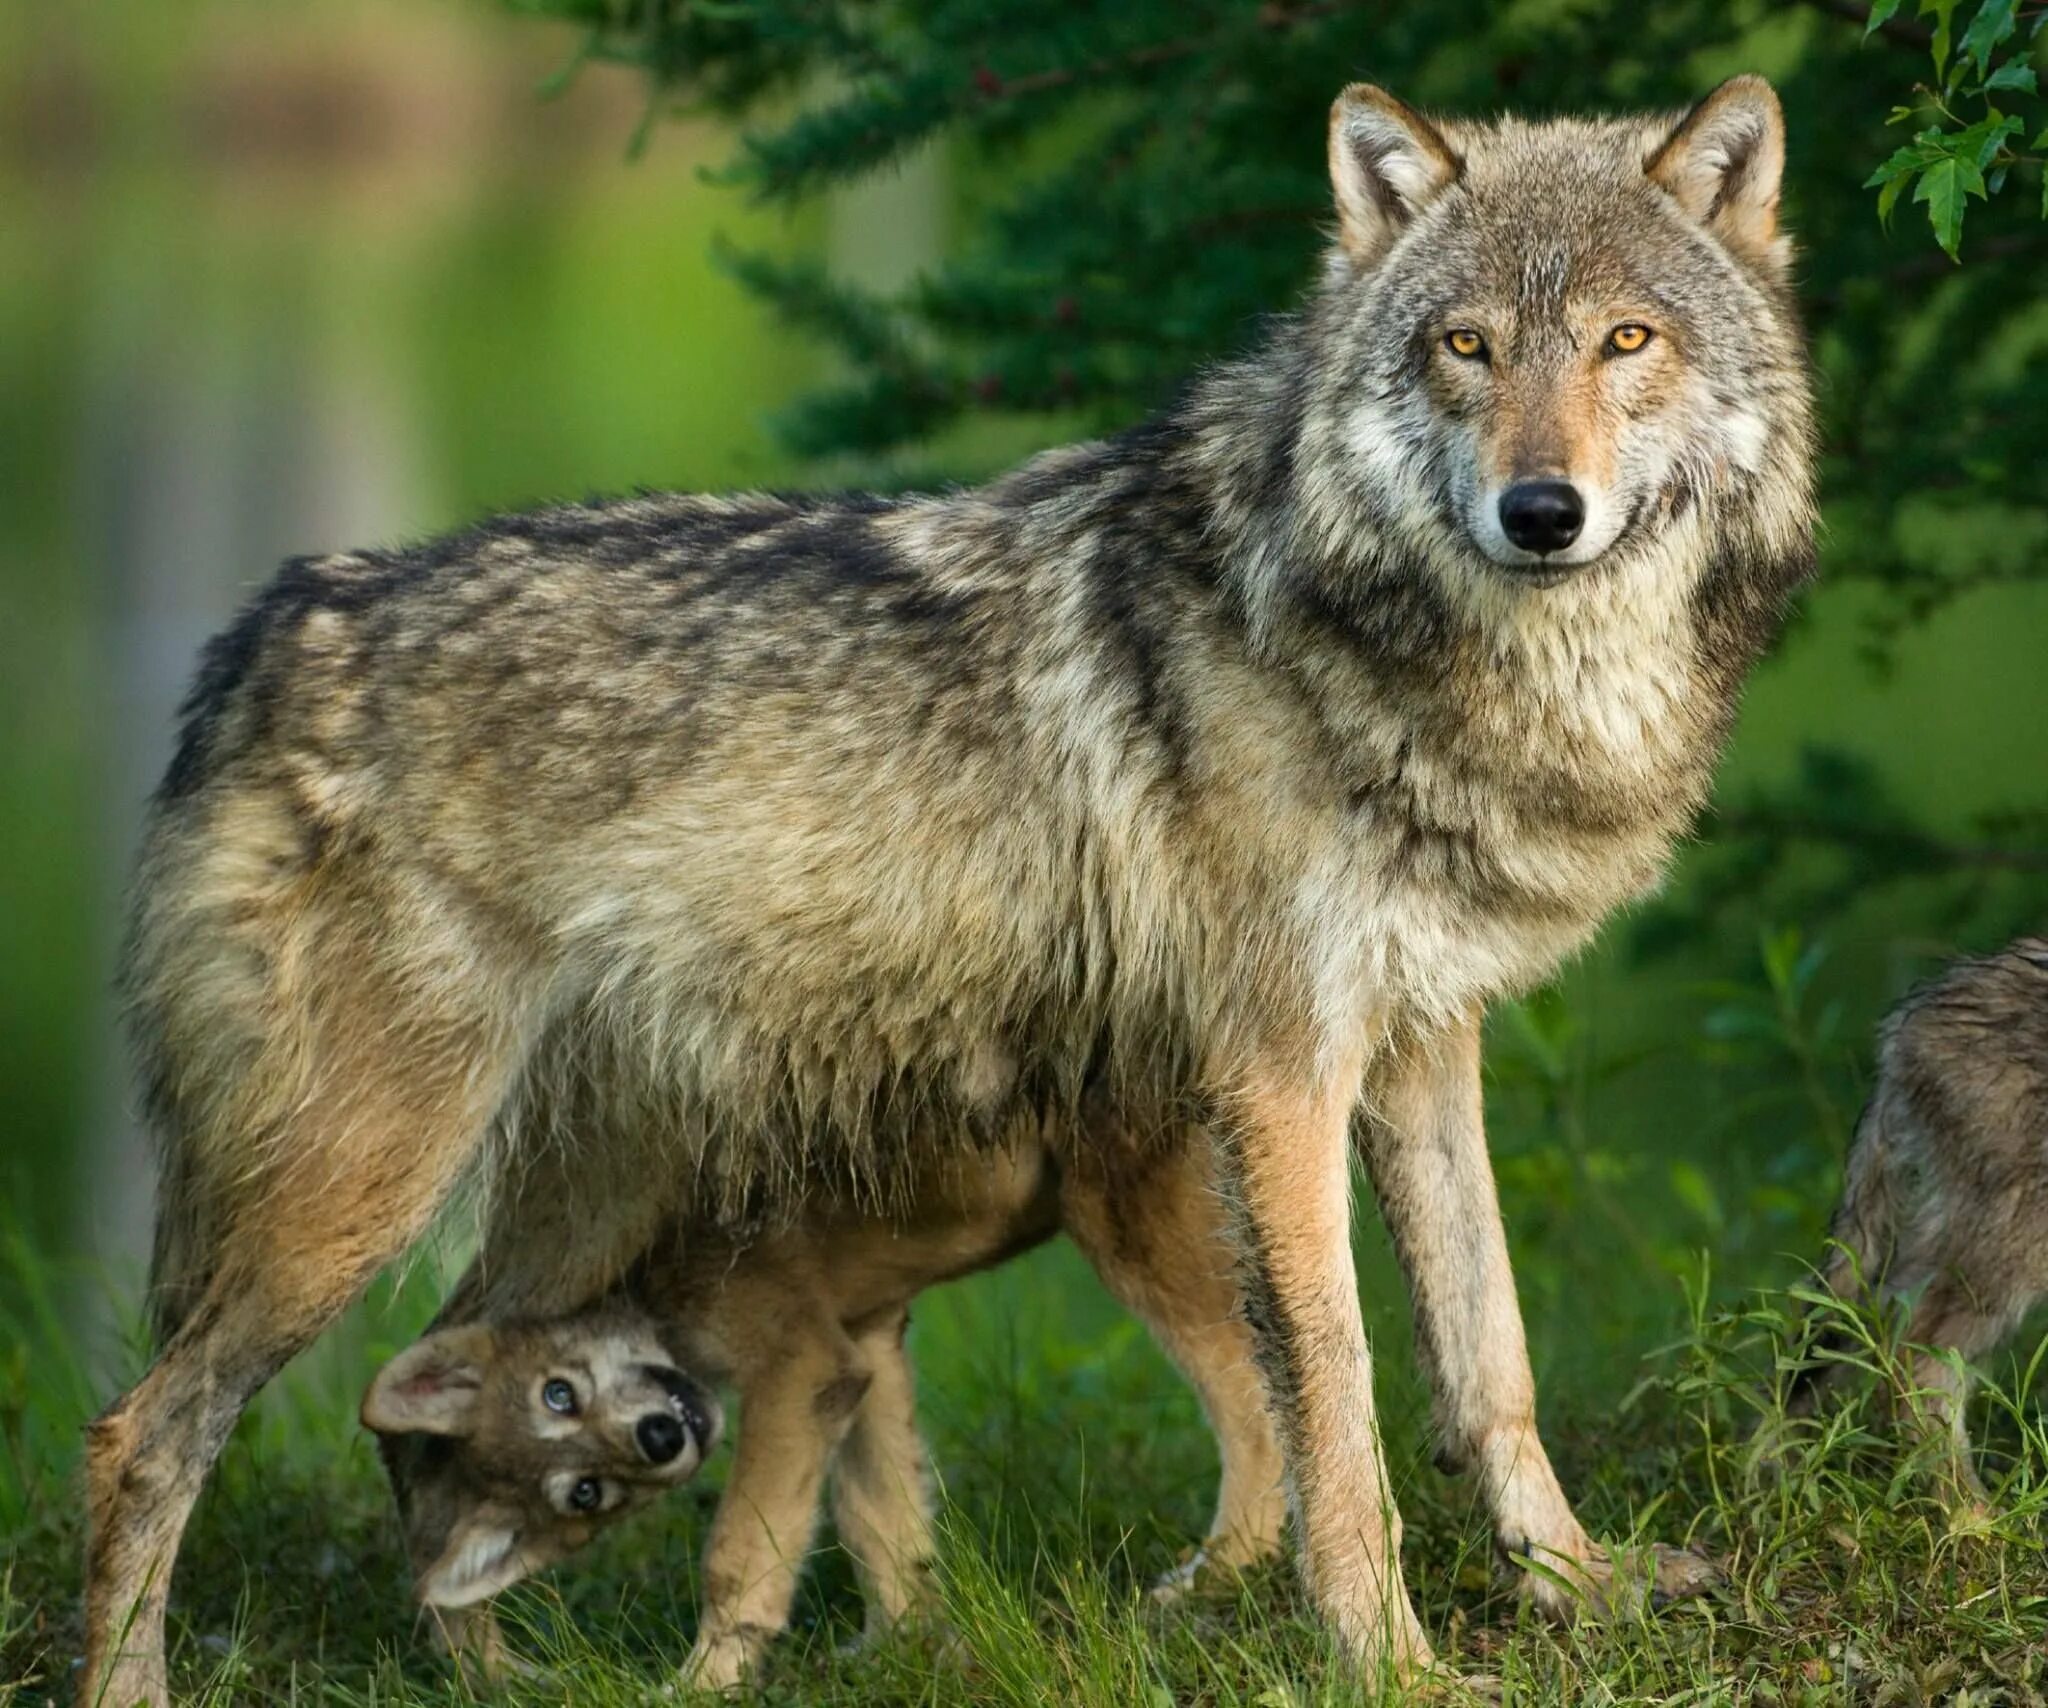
x=1387, y=163
x=1723, y=164
x=481, y=1558
x=431, y=1387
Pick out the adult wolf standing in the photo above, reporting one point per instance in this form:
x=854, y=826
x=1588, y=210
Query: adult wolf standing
x=1223, y=769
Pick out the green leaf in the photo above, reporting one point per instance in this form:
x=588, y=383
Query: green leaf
x=1880, y=14
x=1888, y=197
x=1983, y=140
x=1992, y=24
x=1943, y=13
x=1926, y=148
x=1944, y=187
x=2014, y=76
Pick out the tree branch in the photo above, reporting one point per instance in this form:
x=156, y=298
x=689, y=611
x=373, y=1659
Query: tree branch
x=1273, y=16
x=1900, y=30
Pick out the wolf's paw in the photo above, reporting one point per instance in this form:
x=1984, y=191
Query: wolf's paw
x=1620, y=1583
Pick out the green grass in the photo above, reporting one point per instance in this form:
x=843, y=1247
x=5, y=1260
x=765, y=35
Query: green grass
x=1074, y=1468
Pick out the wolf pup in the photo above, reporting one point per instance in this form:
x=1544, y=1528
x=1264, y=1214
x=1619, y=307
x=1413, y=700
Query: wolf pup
x=1946, y=1202
x=513, y=1445
x=1226, y=768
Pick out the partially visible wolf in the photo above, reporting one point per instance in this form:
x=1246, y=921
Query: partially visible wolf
x=1946, y=1201
x=1222, y=770
x=513, y=1444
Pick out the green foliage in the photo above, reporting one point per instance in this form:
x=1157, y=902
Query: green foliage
x=1959, y=156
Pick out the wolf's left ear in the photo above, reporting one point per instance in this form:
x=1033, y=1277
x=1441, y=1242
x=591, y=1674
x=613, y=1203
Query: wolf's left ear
x=1387, y=163
x=1723, y=163
x=431, y=1388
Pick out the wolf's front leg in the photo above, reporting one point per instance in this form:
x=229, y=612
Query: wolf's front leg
x=1284, y=1165
x=1424, y=1142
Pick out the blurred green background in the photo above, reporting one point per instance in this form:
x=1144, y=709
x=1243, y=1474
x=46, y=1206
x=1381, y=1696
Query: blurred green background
x=283, y=279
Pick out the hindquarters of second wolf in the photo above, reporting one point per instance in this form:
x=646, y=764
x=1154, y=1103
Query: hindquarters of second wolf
x=1945, y=1203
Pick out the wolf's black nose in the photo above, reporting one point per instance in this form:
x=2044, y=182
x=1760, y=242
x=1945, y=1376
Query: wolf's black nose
x=1542, y=515
x=660, y=1435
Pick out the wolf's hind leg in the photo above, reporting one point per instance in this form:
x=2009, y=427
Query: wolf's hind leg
x=1947, y=1316
x=1285, y=1167
x=1155, y=1229
x=358, y=1162
x=1424, y=1142
x=881, y=1485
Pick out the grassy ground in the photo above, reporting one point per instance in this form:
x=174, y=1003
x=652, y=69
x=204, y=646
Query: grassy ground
x=1075, y=1468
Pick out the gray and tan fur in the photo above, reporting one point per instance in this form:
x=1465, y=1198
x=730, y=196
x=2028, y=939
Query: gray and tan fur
x=1946, y=1201
x=1225, y=770
x=807, y=1321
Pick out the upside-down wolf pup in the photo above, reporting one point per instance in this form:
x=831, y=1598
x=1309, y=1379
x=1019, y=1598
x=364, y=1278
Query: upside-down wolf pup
x=1946, y=1200
x=512, y=1442
x=1227, y=767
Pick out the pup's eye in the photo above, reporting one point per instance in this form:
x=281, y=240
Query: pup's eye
x=1627, y=338
x=586, y=1495
x=558, y=1396
x=1463, y=341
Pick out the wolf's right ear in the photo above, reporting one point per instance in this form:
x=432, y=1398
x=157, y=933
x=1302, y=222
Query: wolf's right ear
x=1723, y=163
x=431, y=1388
x=1387, y=163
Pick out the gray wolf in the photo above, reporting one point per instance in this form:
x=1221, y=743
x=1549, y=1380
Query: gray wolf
x=1224, y=769
x=512, y=1444
x=1945, y=1205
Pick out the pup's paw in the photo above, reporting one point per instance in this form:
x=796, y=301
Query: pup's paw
x=1208, y=1570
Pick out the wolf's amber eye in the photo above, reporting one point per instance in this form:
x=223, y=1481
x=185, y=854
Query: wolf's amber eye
x=1463, y=341
x=584, y=1497
x=1628, y=338
x=558, y=1396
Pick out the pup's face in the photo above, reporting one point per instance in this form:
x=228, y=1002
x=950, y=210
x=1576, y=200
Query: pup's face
x=524, y=1441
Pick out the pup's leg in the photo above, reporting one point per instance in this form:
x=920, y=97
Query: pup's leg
x=1157, y=1233
x=360, y=1156
x=1283, y=1144
x=1424, y=1142
x=795, y=1405
x=881, y=1485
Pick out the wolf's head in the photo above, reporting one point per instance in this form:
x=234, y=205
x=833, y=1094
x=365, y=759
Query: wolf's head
x=526, y=1440
x=1545, y=345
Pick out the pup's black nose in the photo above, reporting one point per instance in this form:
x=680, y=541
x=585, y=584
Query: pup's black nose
x=1542, y=515
x=660, y=1435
